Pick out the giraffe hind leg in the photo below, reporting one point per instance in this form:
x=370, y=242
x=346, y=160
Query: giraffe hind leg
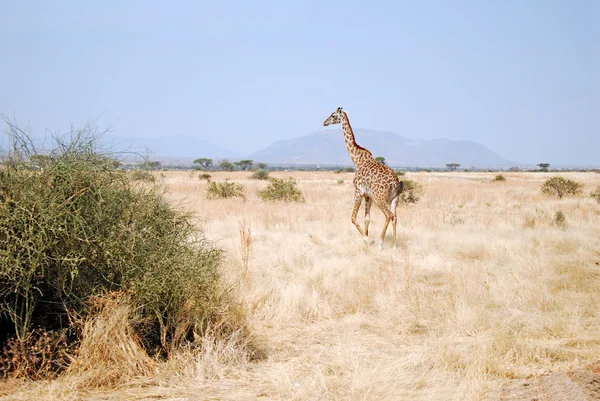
x=388, y=217
x=368, y=202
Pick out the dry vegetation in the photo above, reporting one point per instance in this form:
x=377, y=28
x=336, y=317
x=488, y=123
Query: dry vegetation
x=486, y=287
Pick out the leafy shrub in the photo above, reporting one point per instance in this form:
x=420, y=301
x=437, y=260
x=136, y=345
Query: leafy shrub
x=349, y=169
x=411, y=192
x=281, y=190
x=499, y=178
x=205, y=176
x=81, y=228
x=260, y=174
x=400, y=173
x=340, y=181
x=226, y=189
x=560, y=219
x=560, y=186
x=338, y=171
x=596, y=194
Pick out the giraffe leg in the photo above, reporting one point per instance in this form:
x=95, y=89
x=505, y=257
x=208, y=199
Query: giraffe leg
x=357, y=201
x=388, y=217
x=367, y=214
x=394, y=218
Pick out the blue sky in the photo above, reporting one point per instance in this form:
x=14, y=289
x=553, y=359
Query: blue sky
x=520, y=77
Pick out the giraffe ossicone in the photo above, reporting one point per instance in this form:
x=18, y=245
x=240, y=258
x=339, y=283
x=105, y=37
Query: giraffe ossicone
x=373, y=181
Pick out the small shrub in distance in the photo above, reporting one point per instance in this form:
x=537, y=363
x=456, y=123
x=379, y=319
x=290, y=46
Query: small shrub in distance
x=349, y=169
x=260, y=174
x=226, y=189
x=340, y=181
x=596, y=194
x=560, y=219
x=560, y=186
x=400, y=173
x=412, y=192
x=205, y=176
x=499, y=178
x=281, y=190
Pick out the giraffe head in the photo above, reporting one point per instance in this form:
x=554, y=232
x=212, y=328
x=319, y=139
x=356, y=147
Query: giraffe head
x=334, y=118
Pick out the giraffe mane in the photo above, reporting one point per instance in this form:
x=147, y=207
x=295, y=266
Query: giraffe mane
x=353, y=137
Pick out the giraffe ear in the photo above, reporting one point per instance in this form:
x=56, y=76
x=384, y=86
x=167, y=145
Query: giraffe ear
x=339, y=109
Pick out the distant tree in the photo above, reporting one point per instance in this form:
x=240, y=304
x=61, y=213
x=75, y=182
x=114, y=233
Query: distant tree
x=514, y=169
x=380, y=159
x=203, y=163
x=452, y=166
x=245, y=164
x=151, y=165
x=544, y=166
x=261, y=166
x=226, y=165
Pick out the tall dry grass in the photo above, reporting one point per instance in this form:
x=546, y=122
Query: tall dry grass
x=485, y=287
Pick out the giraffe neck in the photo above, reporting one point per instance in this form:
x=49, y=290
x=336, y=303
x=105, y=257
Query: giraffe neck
x=356, y=152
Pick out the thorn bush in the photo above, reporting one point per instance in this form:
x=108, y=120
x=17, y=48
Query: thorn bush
x=596, y=194
x=281, y=190
x=260, y=174
x=81, y=227
x=560, y=186
x=412, y=192
x=226, y=189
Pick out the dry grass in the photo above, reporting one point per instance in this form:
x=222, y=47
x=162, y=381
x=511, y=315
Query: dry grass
x=484, y=287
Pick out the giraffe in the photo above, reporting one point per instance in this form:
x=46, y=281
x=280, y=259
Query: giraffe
x=373, y=181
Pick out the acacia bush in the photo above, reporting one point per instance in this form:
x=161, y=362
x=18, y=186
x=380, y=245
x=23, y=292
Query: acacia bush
x=560, y=186
x=205, y=176
x=499, y=178
x=596, y=194
x=260, y=174
x=223, y=190
x=281, y=190
x=81, y=227
x=412, y=192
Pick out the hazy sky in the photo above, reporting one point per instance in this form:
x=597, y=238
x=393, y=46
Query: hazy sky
x=518, y=76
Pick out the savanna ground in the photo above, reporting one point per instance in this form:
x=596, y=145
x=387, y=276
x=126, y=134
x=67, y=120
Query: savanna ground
x=485, y=296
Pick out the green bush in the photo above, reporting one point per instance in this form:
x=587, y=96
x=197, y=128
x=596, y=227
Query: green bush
x=81, y=227
x=340, y=181
x=349, y=169
x=412, y=192
x=400, y=173
x=499, y=178
x=226, y=189
x=281, y=190
x=260, y=174
x=560, y=186
x=596, y=194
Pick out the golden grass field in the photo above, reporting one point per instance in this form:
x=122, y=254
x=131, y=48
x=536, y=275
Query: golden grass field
x=485, y=288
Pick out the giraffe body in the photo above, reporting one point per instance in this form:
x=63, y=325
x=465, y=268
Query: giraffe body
x=373, y=181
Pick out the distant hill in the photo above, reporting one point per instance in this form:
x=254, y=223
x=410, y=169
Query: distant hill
x=328, y=147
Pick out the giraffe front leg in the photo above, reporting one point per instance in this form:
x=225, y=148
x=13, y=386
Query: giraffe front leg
x=357, y=201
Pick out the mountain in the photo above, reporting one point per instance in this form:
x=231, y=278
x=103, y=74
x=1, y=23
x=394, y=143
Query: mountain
x=184, y=147
x=328, y=147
